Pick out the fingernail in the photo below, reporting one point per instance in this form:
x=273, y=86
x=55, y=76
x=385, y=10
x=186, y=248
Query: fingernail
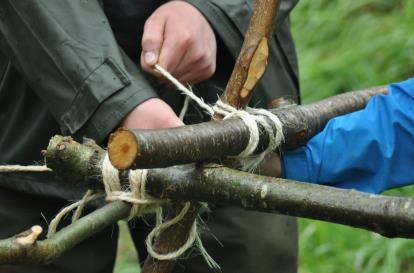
x=150, y=58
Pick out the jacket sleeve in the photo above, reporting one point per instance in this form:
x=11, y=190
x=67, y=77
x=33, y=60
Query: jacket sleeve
x=230, y=20
x=66, y=51
x=370, y=150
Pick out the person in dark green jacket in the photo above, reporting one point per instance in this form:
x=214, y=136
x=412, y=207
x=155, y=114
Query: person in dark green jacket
x=77, y=68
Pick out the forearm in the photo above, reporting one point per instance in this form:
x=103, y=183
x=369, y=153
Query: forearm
x=370, y=150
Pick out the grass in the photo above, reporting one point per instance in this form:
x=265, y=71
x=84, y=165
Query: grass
x=345, y=45
x=326, y=248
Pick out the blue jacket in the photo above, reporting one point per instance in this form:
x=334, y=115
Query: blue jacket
x=369, y=150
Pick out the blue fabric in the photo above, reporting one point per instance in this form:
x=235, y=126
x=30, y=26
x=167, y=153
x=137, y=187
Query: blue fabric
x=369, y=150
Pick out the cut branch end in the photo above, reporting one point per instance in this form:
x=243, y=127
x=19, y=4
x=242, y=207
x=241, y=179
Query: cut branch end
x=29, y=238
x=122, y=148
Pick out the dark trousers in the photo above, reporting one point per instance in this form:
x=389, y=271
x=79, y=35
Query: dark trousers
x=251, y=242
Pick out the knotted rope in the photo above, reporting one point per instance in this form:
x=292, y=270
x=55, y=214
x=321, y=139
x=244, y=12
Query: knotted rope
x=142, y=203
x=250, y=116
x=136, y=194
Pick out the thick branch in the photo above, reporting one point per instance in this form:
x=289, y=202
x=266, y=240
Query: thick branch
x=218, y=139
x=23, y=248
x=171, y=238
x=389, y=216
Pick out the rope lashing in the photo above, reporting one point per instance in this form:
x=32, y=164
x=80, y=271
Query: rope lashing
x=142, y=203
x=250, y=116
x=136, y=194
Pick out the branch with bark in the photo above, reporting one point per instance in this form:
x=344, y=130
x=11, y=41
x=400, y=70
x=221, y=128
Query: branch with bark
x=25, y=248
x=218, y=139
x=252, y=60
x=389, y=216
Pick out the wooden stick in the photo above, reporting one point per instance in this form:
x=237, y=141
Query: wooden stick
x=252, y=61
x=26, y=249
x=389, y=216
x=218, y=139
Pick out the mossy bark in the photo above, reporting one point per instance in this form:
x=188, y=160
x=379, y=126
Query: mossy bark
x=46, y=251
x=389, y=216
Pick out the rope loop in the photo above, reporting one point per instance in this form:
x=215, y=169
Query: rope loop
x=252, y=117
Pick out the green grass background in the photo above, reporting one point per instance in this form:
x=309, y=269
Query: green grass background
x=345, y=45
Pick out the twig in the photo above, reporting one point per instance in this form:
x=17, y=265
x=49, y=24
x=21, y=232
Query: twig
x=24, y=247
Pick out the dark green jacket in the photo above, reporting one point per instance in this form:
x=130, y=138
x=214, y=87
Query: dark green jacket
x=64, y=70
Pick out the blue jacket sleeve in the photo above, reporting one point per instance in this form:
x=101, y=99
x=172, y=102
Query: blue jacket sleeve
x=369, y=150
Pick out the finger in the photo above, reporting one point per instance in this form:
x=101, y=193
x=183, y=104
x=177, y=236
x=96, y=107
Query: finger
x=199, y=58
x=174, y=48
x=191, y=60
x=196, y=76
x=183, y=65
x=152, y=41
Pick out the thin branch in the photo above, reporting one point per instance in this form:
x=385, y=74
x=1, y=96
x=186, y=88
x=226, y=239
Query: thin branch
x=24, y=247
x=252, y=61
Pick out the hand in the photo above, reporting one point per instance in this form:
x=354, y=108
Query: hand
x=180, y=39
x=152, y=114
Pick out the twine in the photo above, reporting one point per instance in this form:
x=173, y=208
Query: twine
x=20, y=168
x=250, y=116
x=143, y=203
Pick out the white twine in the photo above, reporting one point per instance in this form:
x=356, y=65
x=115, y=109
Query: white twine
x=250, y=116
x=20, y=168
x=142, y=203
x=79, y=205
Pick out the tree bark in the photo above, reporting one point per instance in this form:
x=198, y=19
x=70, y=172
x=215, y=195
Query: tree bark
x=252, y=60
x=21, y=248
x=389, y=216
x=218, y=139
x=386, y=215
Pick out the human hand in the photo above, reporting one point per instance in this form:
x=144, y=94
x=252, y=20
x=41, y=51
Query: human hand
x=152, y=114
x=179, y=38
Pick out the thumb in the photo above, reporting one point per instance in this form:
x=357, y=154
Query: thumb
x=152, y=40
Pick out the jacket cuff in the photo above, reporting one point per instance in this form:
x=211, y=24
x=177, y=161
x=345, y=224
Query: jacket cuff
x=295, y=165
x=105, y=98
x=220, y=21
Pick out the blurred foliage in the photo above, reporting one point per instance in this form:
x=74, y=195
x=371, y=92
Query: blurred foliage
x=348, y=45
x=330, y=248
